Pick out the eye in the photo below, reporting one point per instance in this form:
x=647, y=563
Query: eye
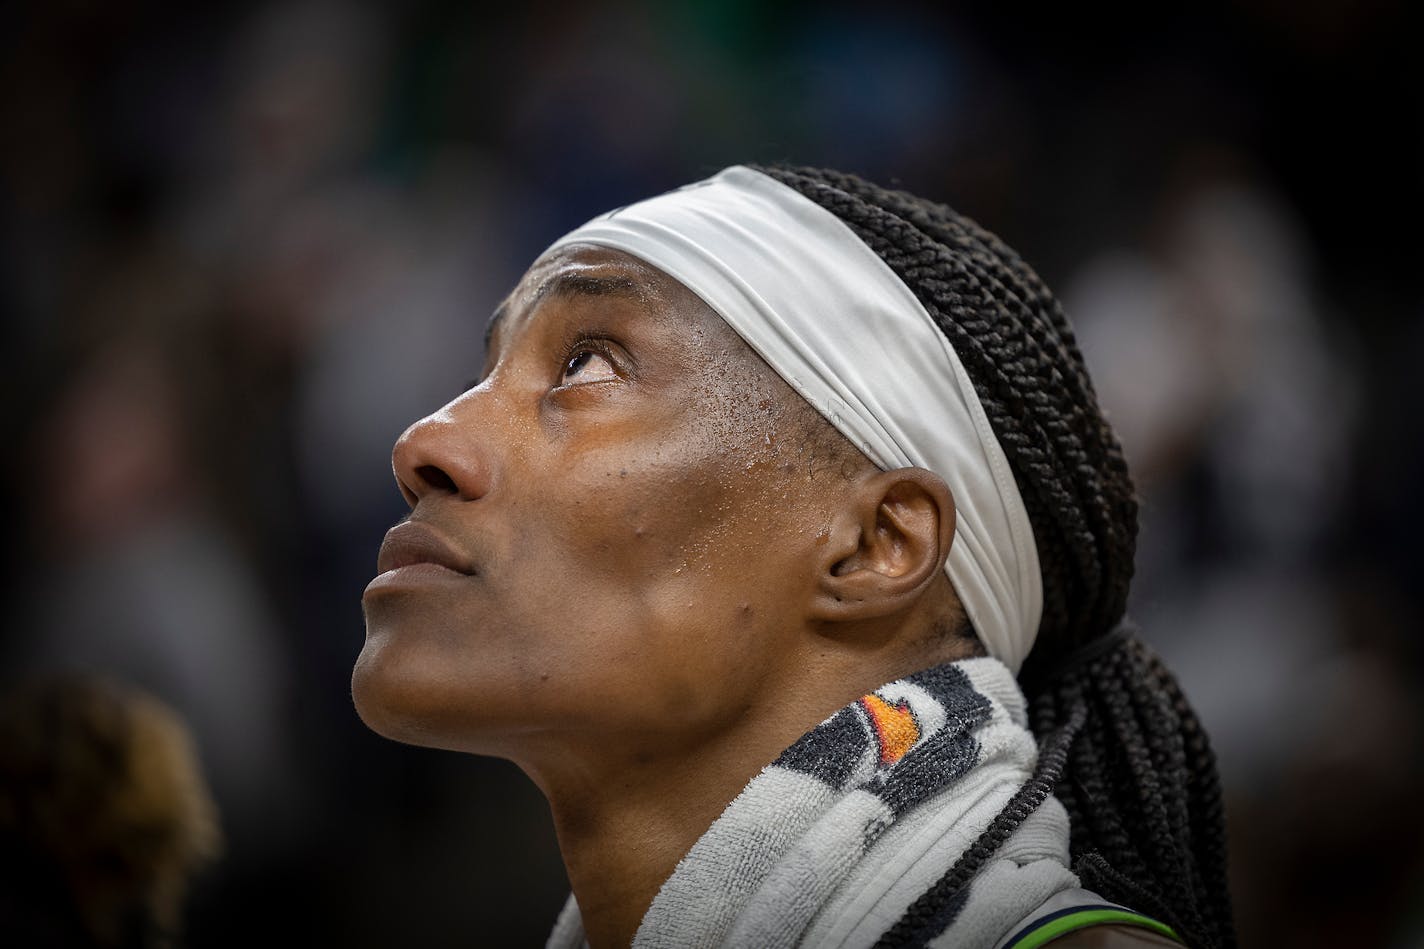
x=587, y=365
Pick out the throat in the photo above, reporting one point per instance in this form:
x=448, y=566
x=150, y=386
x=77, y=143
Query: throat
x=621, y=843
x=624, y=821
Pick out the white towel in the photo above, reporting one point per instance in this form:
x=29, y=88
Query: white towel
x=830, y=844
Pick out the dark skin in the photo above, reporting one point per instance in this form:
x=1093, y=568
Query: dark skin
x=662, y=578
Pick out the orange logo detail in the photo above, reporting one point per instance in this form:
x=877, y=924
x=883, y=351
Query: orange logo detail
x=894, y=726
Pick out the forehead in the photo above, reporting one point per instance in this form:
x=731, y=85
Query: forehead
x=583, y=271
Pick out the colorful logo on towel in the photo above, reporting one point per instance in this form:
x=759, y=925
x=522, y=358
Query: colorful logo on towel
x=896, y=730
x=867, y=742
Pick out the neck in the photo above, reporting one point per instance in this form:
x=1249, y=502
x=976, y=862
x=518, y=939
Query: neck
x=621, y=842
x=625, y=820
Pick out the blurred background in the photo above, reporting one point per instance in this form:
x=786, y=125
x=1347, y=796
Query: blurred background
x=244, y=245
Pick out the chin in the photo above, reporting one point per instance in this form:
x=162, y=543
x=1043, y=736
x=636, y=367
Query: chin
x=400, y=697
x=370, y=692
x=390, y=699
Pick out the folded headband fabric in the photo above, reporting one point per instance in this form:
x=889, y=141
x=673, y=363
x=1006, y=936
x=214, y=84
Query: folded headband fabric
x=833, y=320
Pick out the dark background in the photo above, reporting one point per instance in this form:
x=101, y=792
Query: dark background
x=245, y=245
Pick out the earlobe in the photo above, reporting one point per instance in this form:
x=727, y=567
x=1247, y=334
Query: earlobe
x=886, y=545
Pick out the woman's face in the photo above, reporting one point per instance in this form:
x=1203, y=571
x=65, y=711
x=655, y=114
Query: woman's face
x=632, y=511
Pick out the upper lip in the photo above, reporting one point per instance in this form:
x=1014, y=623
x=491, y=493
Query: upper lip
x=412, y=542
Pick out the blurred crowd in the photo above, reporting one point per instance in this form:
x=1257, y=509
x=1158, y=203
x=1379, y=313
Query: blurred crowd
x=244, y=245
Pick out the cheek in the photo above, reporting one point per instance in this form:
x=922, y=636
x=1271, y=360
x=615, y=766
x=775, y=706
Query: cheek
x=629, y=514
x=645, y=608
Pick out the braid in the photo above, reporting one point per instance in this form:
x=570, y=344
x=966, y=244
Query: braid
x=1119, y=744
x=1141, y=788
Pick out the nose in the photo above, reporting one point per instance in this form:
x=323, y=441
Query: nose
x=437, y=456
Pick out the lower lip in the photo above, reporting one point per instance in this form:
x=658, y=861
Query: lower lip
x=414, y=575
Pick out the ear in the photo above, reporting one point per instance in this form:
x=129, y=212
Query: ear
x=887, y=544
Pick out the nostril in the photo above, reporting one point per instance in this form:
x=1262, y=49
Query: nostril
x=436, y=478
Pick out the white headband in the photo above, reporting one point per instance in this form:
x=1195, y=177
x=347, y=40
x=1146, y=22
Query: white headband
x=833, y=320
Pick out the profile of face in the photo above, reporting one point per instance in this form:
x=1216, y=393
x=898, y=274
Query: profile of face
x=612, y=535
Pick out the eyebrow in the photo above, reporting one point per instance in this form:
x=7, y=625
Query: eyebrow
x=565, y=283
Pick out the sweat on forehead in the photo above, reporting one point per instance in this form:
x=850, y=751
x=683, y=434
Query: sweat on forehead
x=588, y=271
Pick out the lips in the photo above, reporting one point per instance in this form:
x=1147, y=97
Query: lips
x=411, y=542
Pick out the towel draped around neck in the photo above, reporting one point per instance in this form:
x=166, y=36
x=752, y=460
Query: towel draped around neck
x=831, y=844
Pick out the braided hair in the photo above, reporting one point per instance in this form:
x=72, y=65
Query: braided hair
x=1118, y=743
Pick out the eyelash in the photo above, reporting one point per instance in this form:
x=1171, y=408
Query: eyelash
x=583, y=343
x=579, y=344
